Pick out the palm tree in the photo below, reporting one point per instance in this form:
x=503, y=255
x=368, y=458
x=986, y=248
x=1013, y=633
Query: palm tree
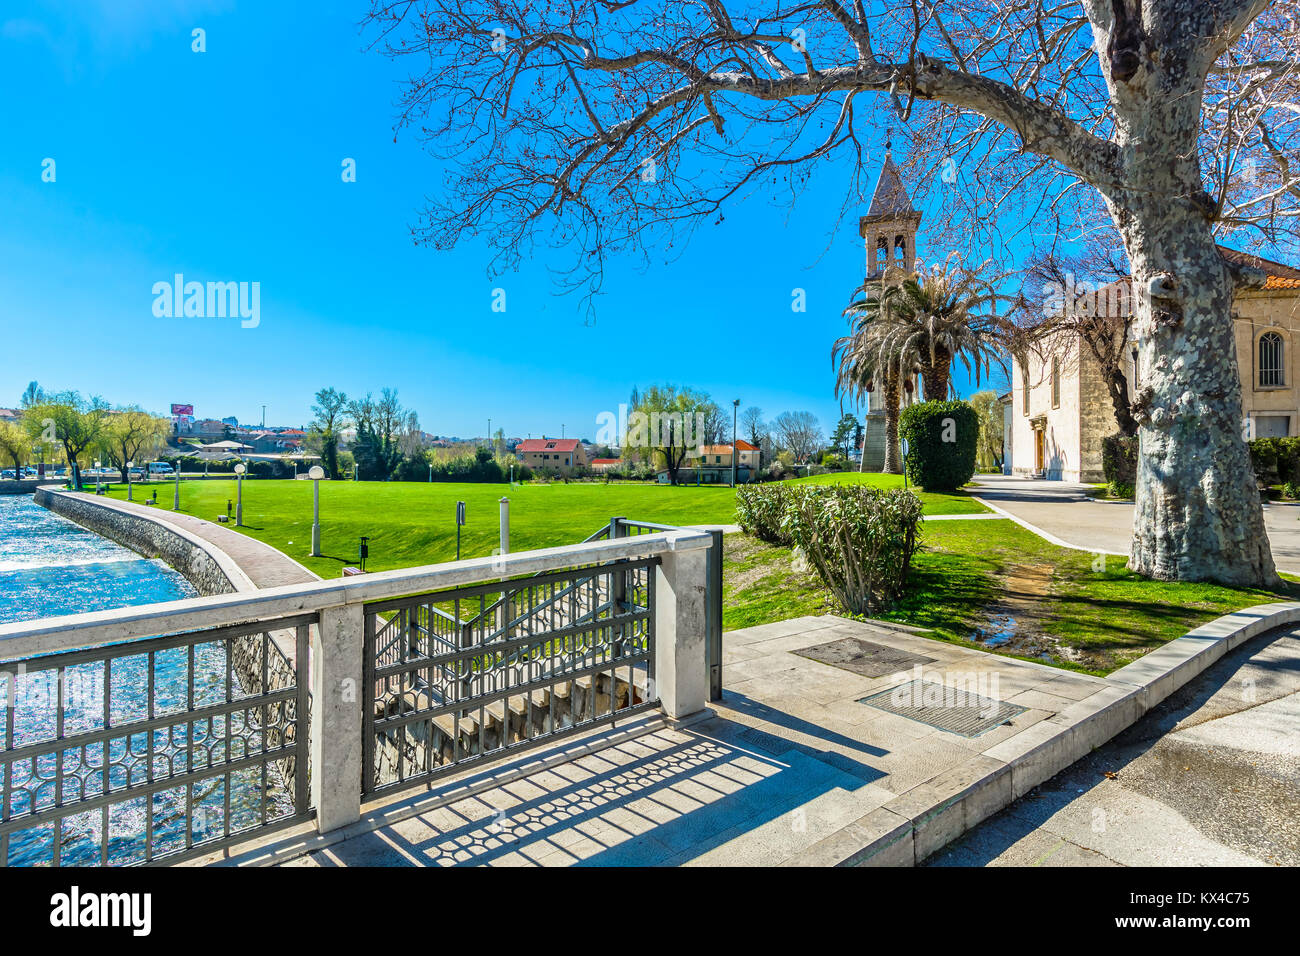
x=865, y=358
x=919, y=324
x=934, y=317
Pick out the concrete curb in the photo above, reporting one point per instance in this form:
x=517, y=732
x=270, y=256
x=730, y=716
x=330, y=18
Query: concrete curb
x=917, y=823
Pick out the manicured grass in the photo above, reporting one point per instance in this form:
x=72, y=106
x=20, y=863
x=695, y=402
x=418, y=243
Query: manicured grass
x=1091, y=617
x=413, y=523
x=956, y=503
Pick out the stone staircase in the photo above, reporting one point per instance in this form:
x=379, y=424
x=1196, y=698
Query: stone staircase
x=447, y=738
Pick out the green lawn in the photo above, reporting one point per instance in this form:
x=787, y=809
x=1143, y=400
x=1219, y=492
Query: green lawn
x=1084, y=618
x=413, y=523
x=957, y=503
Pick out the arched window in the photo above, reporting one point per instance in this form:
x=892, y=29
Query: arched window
x=1270, y=360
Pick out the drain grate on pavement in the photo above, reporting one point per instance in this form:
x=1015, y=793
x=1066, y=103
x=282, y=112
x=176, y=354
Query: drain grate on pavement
x=864, y=657
x=951, y=707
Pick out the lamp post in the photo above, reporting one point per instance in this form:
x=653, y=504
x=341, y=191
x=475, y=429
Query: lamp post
x=176, y=496
x=129, y=466
x=239, y=494
x=735, y=408
x=316, y=473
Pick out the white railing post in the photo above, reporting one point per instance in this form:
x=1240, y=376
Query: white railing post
x=336, y=695
x=681, y=626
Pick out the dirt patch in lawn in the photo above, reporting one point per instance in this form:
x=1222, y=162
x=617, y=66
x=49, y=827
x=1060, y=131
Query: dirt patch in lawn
x=1016, y=621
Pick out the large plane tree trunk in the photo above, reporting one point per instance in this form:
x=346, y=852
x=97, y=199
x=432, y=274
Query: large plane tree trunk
x=1197, y=515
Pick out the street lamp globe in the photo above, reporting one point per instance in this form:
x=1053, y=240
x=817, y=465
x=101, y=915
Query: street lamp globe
x=240, y=469
x=316, y=473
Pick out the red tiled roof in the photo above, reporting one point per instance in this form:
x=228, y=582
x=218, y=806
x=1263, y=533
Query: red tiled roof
x=606, y=461
x=548, y=444
x=745, y=446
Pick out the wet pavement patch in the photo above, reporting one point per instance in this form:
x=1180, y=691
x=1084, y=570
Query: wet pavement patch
x=863, y=657
x=952, y=707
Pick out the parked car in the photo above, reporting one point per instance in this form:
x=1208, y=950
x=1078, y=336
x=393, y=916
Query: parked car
x=7, y=473
x=160, y=469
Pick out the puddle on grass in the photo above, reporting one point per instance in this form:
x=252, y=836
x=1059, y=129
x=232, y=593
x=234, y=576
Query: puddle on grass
x=1000, y=629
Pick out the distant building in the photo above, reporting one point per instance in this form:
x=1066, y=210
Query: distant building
x=602, y=465
x=564, y=455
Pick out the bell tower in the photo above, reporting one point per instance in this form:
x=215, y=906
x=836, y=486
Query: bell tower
x=890, y=225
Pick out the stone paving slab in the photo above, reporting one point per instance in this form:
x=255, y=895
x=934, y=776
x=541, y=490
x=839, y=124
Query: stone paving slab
x=789, y=760
x=792, y=769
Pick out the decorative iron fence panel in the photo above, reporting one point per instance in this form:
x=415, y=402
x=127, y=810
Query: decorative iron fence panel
x=471, y=674
x=154, y=750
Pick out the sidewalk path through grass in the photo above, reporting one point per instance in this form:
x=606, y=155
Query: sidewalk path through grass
x=1061, y=512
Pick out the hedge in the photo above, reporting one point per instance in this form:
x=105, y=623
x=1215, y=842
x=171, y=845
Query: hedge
x=1119, y=455
x=941, y=443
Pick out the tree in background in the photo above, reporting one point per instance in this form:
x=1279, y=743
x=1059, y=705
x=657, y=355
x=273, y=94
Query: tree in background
x=128, y=434
x=846, y=430
x=70, y=420
x=33, y=394
x=669, y=422
x=988, y=450
x=799, y=433
x=753, y=426
x=331, y=417
x=15, y=443
x=380, y=427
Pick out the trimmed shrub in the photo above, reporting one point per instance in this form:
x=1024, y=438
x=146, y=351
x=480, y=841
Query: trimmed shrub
x=1275, y=460
x=942, y=438
x=760, y=510
x=1119, y=455
x=860, y=540
x=1120, y=489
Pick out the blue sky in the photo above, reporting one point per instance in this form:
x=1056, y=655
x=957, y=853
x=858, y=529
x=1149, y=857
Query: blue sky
x=225, y=166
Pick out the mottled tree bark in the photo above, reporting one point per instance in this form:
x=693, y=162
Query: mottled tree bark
x=1197, y=514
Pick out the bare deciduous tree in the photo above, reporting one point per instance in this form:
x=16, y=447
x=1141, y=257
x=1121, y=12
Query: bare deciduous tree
x=607, y=127
x=799, y=434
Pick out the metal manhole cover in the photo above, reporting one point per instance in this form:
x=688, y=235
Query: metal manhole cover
x=950, y=707
x=863, y=657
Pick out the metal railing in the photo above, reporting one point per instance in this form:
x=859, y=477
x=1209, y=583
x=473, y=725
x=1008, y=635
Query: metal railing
x=163, y=732
x=558, y=655
x=156, y=749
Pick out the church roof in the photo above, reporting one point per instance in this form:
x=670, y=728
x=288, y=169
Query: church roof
x=890, y=199
x=1279, y=276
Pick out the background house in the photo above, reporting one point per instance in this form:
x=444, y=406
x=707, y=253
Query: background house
x=563, y=455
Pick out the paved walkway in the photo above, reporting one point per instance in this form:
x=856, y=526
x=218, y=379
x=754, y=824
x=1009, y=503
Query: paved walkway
x=1209, y=777
x=265, y=566
x=1063, y=511
x=791, y=760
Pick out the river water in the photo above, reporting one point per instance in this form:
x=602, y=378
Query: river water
x=51, y=566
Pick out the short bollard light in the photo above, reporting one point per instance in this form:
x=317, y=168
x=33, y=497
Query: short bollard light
x=239, y=494
x=363, y=552
x=316, y=473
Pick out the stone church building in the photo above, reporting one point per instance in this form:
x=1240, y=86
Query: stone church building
x=1058, y=410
